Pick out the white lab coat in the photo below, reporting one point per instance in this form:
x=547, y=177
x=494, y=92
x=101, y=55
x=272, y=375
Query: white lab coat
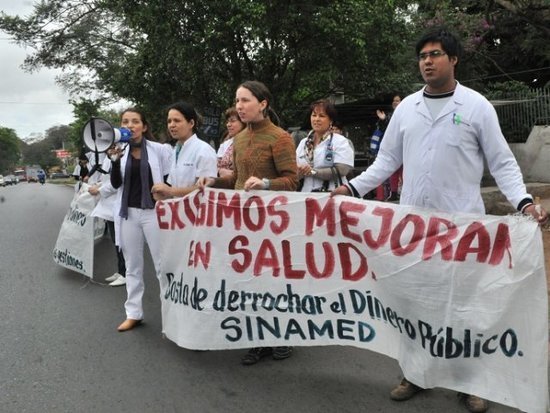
x=106, y=204
x=342, y=154
x=196, y=158
x=443, y=158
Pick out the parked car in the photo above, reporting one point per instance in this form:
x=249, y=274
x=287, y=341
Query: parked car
x=2, y=182
x=59, y=175
x=10, y=180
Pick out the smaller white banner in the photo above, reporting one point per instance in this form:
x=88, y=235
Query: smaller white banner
x=74, y=248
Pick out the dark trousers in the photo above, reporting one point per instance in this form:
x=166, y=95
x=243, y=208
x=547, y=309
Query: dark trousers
x=120, y=257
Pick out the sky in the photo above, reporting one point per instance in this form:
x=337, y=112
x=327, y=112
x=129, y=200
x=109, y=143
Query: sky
x=30, y=103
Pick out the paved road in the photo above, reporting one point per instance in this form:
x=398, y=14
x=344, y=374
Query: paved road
x=60, y=352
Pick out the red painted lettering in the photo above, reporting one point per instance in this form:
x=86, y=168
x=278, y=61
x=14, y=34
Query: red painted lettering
x=240, y=267
x=317, y=217
x=201, y=209
x=287, y=263
x=435, y=237
x=502, y=244
x=418, y=233
x=176, y=222
x=254, y=203
x=385, y=228
x=161, y=212
x=189, y=213
x=328, y=255
x=202, y=255
x=190, y=258
x=348, y=220
x=283, y=215
x=227, y=211
x=210, y=206
x=267, y=257
x=475, y=231
x=347, y=266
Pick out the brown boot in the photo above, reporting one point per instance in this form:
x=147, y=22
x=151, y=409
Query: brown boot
x=404, y=391
x=473, y=403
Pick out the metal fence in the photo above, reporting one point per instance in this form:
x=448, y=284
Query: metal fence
x=518, y=113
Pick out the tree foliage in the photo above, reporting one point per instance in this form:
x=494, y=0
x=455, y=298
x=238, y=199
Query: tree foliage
x=9, y=150
x=503, y=40
x=156, y=52
x=43, y=152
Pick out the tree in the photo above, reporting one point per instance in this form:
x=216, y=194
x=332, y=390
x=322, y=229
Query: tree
x=159, y=51
x=9, y=150
x=43, y=152
x=503, y=40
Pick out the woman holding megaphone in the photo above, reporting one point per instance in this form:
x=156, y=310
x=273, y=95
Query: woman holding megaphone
x=134, y=171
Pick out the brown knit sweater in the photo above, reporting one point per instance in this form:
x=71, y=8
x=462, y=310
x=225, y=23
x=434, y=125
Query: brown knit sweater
x=263, y=150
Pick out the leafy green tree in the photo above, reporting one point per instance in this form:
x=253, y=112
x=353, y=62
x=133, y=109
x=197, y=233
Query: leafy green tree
x=503, y=40
x=43, y=152
x=156, y=52
x=9, y=150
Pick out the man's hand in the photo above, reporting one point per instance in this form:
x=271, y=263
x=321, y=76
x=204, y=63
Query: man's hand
x=341, y=190
x=537, y=212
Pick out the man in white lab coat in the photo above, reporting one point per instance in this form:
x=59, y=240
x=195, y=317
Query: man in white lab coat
x=440, y=135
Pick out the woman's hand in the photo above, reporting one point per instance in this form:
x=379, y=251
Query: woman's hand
x=254, y=183
x=223, y=172
x=161, y=191
x=93, y=190
x=204, y=181
x=115, y=153
x=304, y=169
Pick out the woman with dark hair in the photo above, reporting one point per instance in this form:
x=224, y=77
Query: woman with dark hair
x=133, y=174
x=324, y=157
x=234, y=125
x=263, y=154
x=264, y=158
x=192, y=158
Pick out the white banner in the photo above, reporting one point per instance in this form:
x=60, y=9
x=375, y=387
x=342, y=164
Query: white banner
x=74, y=248
x=459, y=300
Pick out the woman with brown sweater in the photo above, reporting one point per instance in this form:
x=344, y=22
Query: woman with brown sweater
x=264, y=157
x=263, y=153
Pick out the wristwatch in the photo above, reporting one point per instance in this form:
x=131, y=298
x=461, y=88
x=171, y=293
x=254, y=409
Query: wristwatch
x=267, y=183
x=313, y=172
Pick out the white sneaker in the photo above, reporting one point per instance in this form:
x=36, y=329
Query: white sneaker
x=113, y=277
x=118, y=282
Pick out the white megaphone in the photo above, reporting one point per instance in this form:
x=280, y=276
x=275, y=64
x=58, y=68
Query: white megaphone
x=99, y=135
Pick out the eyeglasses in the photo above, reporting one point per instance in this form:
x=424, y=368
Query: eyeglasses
x=433, y=54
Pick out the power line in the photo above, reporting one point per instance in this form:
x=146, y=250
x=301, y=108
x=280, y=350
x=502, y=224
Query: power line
x=32, y=103
x=507, y=74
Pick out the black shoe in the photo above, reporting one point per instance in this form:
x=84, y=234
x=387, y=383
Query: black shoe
x=281, y=353
x=394, y=196
x=256, y=354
